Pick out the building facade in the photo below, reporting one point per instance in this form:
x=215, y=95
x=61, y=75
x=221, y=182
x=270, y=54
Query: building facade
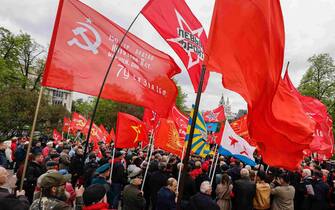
x=59, y=97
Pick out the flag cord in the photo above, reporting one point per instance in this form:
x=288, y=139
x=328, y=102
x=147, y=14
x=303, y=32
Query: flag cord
x=147, y=168
x=210, y=171
x=190, y=139
x=102, y=86
x=31, y=138
x=181, y=166
x=214, y=170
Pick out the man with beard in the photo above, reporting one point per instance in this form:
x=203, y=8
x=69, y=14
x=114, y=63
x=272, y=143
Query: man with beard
x=53, y=194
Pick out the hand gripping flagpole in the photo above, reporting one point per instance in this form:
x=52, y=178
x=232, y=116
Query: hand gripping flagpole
x=190, y=139
x=102, y=87
x=181, y=167
x=31, y=138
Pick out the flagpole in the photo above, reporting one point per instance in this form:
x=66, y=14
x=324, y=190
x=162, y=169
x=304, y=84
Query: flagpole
x=147, y=168
x=111, y=170
x=216, y=162
x=67, y=135
x=31, y=138
x=181, y=166
x=189, y=142
x=210, y=171
x=103, y=84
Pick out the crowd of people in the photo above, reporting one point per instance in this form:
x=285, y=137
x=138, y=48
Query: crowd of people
x=58, y=176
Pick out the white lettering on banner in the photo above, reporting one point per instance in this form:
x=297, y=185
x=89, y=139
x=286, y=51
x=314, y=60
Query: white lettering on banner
x=124, y=73
x=188, y=40
x=136, y=58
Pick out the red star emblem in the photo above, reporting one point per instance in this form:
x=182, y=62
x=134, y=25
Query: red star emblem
x=244, y=151
x=233, y=141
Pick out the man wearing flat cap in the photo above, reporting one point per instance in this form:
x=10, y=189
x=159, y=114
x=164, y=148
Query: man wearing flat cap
x=132, y=196
x=53, y=194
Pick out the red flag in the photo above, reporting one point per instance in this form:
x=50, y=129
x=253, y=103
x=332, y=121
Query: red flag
x=129, y=131
x=215, y=115
x=323, y=140
x=176, y=23
x=82, y=46
x=111, y=137
x=151, y=119
x=180, y=120
x=56, y=135
x=240, y=126
x=78, y=122
x=276, y=120
x=96, y=133
x=96, y=149
x=66, y=124
x=215, y=138
x=167, y=137
x=104, y=132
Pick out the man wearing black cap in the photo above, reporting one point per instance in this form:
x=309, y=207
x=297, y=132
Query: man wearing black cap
x=95, y=198
x=132, y=197
x=53, y=194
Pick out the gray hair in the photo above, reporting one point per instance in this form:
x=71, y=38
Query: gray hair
x=244, y=173
x=205, y=186
x=307, y=172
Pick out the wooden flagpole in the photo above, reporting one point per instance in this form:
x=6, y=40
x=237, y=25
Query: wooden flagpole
x=102, y=86
x=147, y=168
x=181, y=167
x=31, y=138
x=190, y=139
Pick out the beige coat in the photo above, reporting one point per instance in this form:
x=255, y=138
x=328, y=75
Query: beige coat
x=283, y=198
x=262, y=196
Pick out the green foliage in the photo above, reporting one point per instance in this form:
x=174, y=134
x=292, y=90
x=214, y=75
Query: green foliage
x=17, y=109
x=181, y=99
x=319, y=81
x=21, y=60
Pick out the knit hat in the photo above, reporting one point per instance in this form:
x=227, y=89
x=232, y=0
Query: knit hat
x=136, y=172
x=52, y=180
x=93, y=194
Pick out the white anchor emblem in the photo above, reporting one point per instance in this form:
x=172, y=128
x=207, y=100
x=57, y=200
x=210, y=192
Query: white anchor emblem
x=82, y=32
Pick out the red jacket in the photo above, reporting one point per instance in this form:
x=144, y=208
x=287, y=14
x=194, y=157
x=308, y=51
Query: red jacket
x=97, y=206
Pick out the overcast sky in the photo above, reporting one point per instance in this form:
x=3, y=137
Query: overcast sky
x=309, y=26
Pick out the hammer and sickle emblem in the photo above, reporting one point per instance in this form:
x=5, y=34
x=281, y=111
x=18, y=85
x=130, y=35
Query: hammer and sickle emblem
x=80, y=123
x=81, y=31
x=94, y=132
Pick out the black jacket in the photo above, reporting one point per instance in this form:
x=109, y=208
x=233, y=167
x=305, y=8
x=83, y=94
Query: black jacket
x=165, y=199
x=319, y=200
x=201, y=201
x=76, y=166
x=119, y=176
x=244, y=192
x=9, y=201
